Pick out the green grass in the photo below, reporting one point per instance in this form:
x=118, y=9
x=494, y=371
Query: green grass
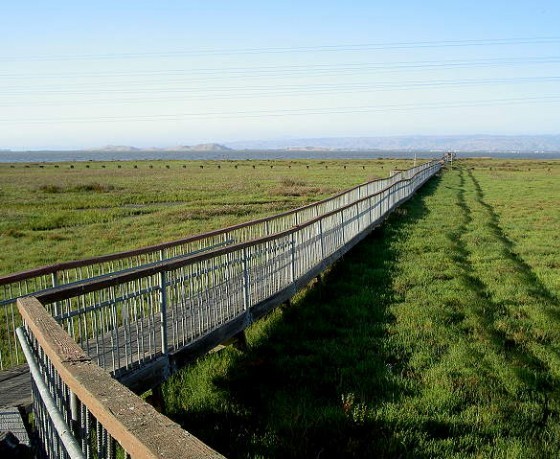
x=438, y=336
x=53, y=212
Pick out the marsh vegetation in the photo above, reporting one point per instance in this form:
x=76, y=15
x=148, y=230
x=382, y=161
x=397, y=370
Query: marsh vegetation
x=54, y=212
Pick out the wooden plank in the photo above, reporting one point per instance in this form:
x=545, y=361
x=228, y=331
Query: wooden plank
x=11, y=421
x=15, y=387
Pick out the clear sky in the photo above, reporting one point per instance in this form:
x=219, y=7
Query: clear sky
x=163, y=73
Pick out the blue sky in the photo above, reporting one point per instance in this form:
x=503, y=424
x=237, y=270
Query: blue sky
x=85, y=74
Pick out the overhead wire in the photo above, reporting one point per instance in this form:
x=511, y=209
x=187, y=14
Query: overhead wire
x=281, y=70
x=295, y=112
x=240, y=92
x=141, y=86
x=297, y=49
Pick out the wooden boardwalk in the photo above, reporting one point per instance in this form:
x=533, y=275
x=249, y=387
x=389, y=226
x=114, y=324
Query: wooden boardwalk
x=15, y=383
x=10, y=421
x=15, y=387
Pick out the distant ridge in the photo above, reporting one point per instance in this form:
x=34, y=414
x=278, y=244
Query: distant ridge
x=459, y=143
x=199, y=147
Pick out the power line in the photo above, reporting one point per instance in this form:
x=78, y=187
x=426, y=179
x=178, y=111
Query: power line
x=292, y=69
x=293, y=112
x=297, y=49
x=238, y=92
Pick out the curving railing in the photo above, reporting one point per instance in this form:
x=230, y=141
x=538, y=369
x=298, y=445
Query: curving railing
x=144, y=323
x=41, y=279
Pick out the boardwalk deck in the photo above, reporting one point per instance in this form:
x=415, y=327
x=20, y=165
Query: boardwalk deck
x=15, y=387
x=10, y=421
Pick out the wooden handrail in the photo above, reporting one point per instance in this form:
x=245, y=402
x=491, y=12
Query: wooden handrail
x=134, y=424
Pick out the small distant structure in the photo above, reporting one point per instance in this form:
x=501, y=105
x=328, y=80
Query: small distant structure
x=449, y=157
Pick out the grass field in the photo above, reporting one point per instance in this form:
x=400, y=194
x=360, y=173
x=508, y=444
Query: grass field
x=66, y=211
x=438, y=336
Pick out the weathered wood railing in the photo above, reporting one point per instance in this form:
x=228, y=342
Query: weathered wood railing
x=41, y=279
x=81, y=412
x=143, y=323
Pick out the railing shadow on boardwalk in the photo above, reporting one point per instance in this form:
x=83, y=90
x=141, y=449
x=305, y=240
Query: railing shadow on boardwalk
x=323, y=354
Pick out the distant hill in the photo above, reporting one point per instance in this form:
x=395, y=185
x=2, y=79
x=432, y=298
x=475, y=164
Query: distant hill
x=460, y=143
x=199, y=147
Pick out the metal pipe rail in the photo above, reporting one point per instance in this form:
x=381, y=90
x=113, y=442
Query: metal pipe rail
x=81, y=412
x=152, y=319
x=38, y=280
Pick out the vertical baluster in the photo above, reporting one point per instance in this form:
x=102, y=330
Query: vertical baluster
x=246, y=279
x=163, y=310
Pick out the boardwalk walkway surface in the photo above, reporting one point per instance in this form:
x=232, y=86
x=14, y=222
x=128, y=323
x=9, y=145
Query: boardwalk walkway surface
x=15, y=387
x=10, y=421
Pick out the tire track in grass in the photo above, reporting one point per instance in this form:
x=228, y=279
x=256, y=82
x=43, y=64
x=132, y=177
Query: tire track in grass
x=453, y=407
x=471, y=398
x=512, y=318
x=533, y=310
x=535, y=287
x=481, y=311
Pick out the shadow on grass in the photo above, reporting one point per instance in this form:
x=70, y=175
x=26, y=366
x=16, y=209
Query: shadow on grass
x=302, y=387
x=530, y=370
x=538, y=290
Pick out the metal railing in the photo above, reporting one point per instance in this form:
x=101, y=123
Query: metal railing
x=127, y=320
x=37, y=280
x=150, y=317
x=80, y=412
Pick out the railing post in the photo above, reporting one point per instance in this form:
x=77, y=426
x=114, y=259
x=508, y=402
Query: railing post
x=293, y=257
x=342, y=227
x=75, y=414
x=321, y=239
x=246, y=280
x=163, y=311
x=55, y=283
